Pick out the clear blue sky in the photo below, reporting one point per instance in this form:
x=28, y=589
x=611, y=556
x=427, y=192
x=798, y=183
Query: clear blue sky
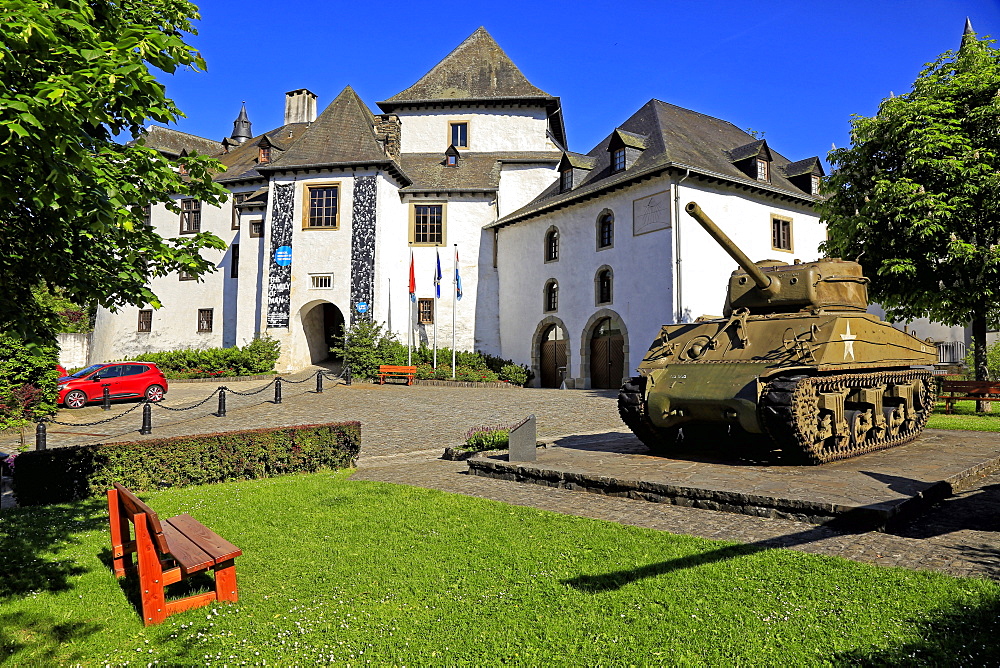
x=796, y=71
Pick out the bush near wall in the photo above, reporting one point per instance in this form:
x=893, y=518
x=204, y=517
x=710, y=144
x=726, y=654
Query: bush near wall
x=27, y=381
x=257, y=357
x=65, y=474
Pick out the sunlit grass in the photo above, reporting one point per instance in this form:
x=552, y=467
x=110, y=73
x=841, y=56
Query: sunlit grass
x=964, y=416
x=338, y=572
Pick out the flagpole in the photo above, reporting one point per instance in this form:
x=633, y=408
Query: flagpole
x=454, y=304
x=388, y=299
x=409, y=317
x=437, y=289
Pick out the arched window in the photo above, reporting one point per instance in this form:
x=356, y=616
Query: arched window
x=551, y=296
x=605, y=230
x=603, y=285
x=552, y=245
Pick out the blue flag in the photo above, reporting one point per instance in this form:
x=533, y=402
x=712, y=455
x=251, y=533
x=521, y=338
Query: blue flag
x=437, y=276
x=458, y=279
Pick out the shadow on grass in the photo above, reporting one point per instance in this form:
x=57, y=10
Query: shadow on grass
x=40, y=636
x=31, y=540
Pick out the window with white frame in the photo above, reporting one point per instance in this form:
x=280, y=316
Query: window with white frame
x=321, y=281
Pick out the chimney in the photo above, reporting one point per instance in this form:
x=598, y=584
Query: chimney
x=387, y=130
x=300, y=106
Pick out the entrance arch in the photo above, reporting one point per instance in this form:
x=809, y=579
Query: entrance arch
x=550, y=352
x=604, y=350
x=323, y=325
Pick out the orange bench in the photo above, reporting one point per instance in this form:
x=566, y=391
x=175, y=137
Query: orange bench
x=168, y=552
x=389, y=371
x=975, y=390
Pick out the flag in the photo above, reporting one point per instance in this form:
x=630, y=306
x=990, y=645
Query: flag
x=437, y=276
x=413, y=281
x=458, y=279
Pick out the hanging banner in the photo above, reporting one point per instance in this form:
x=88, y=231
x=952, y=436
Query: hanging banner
x=279, y=286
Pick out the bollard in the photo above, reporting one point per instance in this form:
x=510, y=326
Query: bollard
x=40, y=436
x=319, y=382
x=222, y=402
x=277, y=390
x=347, y=374
x=106, y=399
x=147, y=419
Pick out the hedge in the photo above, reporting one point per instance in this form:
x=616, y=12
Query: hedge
x=77, y=472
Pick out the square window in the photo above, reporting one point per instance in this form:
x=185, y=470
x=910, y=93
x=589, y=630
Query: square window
x=321, y=281
x=618, y=160
x=238, y=198
x=234, y=262
x=781, y=233
x=427, y=224
x=145, y=320
x=190, y=216
x=205, y=319
x=322, y=206
x=460, y=134
x=256, y=228
x=425, y=311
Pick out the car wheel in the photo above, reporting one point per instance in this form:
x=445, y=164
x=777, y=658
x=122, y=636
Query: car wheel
x=154, y=393
x=75, y=399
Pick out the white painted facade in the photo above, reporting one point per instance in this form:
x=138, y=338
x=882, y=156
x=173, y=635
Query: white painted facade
x=501, y=130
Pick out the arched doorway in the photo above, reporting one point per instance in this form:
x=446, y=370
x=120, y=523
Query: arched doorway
x=607, y=353
x=552, y=359
x=323, y=325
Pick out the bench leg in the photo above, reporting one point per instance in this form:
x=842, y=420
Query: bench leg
x=119, y=535
x=154, y=606
x=225, y=581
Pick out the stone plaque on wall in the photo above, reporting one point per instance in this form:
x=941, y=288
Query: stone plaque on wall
x=363, y=248
x=279, y=286
x=651, y=213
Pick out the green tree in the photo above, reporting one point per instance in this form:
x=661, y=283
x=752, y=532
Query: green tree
x=916, y=197
x=74, y=76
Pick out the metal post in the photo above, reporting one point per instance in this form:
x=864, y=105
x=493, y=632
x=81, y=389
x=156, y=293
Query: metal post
x=319, y=382
x=222, y=402
x=106, y=405
x=147, y=419
x=347, y=374
x=277, y=390
x=40, y=436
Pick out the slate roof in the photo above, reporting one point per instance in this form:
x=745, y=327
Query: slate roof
x=676, y=138
x=241, y=161
x=751, y=150
x=802, y=167
x=475, y=172
x=171, y=142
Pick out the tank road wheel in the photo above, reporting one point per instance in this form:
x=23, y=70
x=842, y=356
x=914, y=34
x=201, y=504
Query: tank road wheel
x=632, y=409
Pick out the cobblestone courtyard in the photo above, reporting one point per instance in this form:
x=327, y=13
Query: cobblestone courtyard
x=404, y=430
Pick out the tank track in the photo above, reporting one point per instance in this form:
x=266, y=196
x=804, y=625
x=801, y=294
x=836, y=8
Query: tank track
x=789, y=411
x=632, y=409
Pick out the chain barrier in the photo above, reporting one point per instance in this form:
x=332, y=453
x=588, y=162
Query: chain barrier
x=252, y=392
x=160, y=404
x=92, y=424
x=304, y=380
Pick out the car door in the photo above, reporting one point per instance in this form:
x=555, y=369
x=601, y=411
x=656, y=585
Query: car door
x=131, y=383
x=110, y=376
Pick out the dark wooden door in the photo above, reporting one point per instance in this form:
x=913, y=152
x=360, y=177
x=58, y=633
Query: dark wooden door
x=607, y=356
x=552, y=357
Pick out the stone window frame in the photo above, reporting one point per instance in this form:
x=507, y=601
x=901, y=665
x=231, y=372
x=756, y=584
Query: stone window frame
x=550, y=296
x=551, y=244
x=145, y=322
x=607, y=215
x=425, y=311
x=413, y=223
x=190, y=216
x=260, y=231
x=238, y=198
x=206, y=317
x=307, y=214
x=604, y=269
x=451, y=133
x=781, y=226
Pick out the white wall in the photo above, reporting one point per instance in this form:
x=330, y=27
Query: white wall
x=427, y=130
x=521, y=183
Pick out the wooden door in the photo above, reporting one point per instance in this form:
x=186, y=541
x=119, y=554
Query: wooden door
x=607, y=355
x=552, y=357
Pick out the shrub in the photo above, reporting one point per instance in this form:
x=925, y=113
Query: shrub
x=992, y=361
x=487, y=438
x=258, y=356
x=65, y=474
x=367, y=346
x=514, y=373
x=27, y=381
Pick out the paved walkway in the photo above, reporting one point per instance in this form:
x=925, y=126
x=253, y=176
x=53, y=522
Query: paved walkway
x=406, y=428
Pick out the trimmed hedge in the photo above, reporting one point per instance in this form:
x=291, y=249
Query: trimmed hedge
x=77, y=472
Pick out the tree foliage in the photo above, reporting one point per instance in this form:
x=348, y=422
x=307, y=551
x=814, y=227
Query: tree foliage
x=916, y=197
x=74, y=75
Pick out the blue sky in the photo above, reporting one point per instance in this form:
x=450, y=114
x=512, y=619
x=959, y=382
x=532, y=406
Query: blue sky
x=796, y=71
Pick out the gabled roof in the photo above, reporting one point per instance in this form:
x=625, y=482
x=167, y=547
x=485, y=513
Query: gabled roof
x=676, y=139
x=802, y=167
x=241, y=161
x=754, y=149
x=172, y=142
x=622, y=138
x=576, y=161
x=477, y=69
x=475, y=172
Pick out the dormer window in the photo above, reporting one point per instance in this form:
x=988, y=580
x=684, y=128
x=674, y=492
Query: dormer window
x=566, y=180
x=763, y=170
x=618, y=160
x=452, y=160
x=806, y=175
x=753, y=159
x=459, y=131
x=815, y=185
x=451, y=157
x=573, y=170
x=625, y=148
x=264, y=154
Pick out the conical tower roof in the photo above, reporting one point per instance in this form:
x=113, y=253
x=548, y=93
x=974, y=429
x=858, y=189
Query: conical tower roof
x=241, y=126
x=477, y=69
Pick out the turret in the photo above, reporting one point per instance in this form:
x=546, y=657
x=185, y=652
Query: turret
x=771, y=286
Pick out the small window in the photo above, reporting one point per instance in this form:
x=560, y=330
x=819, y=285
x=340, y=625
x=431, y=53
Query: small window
x=566, y=180
x=425, y=311
x=322, y=206
x=234, y=261
x=147, y=215
x=190, y=216
x=256, y=228
x=815, y=184
x=781, y=233
x=264, y=155
x=603, y=281
x=145, y=320
x=618, y=161
x=552, y=245
x=551, y=296
x=427, y=224
x=452, y=160
x=205, y=319
x=763, y=170
x=186, y=275
x=459, y=134
x=238, y=198
x=606, y=230
x=322, y=281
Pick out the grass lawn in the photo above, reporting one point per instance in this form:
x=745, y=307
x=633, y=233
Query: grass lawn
x=346, y=572
x=964, y=416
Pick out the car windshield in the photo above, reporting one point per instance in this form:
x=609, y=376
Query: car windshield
x=86, y=372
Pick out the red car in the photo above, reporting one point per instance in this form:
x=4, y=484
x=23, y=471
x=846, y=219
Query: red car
x=123, y=380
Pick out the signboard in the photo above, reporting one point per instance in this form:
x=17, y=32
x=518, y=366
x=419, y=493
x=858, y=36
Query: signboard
x=283, y=256
x=362, y=307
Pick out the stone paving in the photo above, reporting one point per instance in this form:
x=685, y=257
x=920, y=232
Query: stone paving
x=406, y=428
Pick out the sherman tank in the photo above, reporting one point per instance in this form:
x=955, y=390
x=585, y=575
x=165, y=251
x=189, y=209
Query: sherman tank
x=795, y=358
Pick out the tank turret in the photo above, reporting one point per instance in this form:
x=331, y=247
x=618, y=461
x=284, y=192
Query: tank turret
x=796, y=358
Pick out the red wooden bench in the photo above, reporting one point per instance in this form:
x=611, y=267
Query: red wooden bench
x=975, y=390
x=389, y=371
x=168, y=552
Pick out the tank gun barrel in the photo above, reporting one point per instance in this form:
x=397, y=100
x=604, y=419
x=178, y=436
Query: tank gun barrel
x=768, y=284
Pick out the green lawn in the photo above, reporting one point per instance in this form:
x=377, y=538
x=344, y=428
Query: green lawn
x=346, y=572
x=965, y=417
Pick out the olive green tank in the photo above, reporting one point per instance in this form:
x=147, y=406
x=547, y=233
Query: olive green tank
x=795, y=357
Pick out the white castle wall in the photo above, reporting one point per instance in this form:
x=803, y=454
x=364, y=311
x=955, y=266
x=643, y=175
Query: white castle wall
x=427, y=130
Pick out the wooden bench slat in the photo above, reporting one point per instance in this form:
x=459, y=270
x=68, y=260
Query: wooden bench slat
x=188, y=555
x=217, y=547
